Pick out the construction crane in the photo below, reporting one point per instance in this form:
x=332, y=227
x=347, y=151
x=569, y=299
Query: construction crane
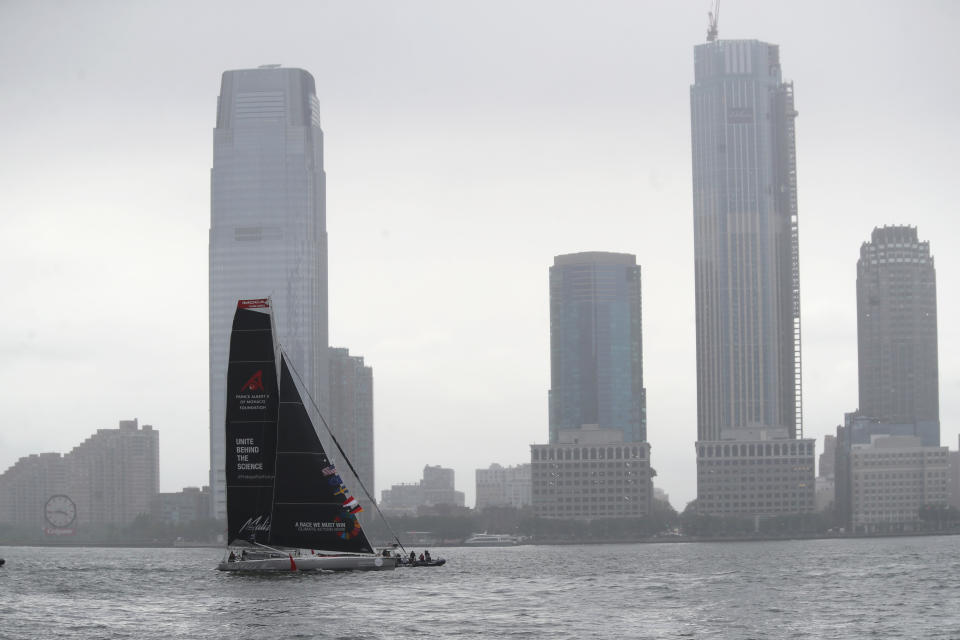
x=713, y=17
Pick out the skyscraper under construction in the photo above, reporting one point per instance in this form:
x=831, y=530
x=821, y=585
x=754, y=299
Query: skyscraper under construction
x=752, y=460
x=745, y=240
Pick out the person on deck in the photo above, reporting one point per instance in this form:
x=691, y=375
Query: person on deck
x=413, y=557
x=421, y=557
x=426, y=554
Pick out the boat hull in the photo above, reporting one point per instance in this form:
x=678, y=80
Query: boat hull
x=311, y=563
x=439, y=562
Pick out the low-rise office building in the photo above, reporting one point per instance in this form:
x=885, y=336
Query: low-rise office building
x=591, y=473
x=435, y=488
x=756, y=473
x=891, y=479
x=189, y=505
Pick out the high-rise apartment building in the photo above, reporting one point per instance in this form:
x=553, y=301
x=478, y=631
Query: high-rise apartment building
x=745, y=240
x=351, y=411
x=897, y=335
x=109, y=479
x=267, y=230
x=596, y=345
x=26, y=487
x=115, y=473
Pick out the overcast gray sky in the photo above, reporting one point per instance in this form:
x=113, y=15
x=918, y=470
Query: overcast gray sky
x=467, y=143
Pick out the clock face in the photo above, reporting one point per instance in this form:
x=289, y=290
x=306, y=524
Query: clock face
x=60, y=511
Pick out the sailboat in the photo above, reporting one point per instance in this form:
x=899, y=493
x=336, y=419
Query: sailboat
x=288, y=508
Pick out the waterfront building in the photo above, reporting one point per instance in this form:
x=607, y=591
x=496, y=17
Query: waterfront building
x=897, y=335
x=747, y=284
x=187, y=505
x=826, y=491
x=504, y=486
x=891, y=479
x=756, y=473
x=26, y=487
x=115, y=473
x=827, y=464
x=435, y=488
x=826, y=488
x=746, y=248
x=109, y=479
x=596, y=344
x=268, y=232
x=351, y=411
x=955, y=476
x=590, y=473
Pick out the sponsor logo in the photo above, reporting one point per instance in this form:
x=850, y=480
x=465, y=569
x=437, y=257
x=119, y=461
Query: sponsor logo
x=255, y=383
x=258, y=524
x=259, y=303
x=253, y=395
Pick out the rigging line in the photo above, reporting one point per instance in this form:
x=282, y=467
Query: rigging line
x=340, y=449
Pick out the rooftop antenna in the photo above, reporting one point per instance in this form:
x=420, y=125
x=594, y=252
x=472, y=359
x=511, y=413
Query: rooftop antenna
x=713, y=17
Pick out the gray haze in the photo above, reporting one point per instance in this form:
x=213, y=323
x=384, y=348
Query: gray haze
x=466, y=144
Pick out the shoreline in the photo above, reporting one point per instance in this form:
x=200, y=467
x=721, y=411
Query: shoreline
x=547, y=542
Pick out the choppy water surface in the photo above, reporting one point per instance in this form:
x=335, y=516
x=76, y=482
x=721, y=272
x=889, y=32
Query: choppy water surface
x=882, y=588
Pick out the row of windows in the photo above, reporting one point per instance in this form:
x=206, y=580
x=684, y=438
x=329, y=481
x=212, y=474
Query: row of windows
x=798, y=464
x=744, y=450
x=783, y=494
x=589, y=453
x=553, y=491
x=903, y=475
x=613, y=470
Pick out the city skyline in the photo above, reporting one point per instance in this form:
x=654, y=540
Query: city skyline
x=458, y=170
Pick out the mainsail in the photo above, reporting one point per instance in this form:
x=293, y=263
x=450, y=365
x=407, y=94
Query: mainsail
x=251, y=423
x=282, y=488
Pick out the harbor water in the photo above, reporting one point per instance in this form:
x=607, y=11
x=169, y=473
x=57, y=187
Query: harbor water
x=852, y=588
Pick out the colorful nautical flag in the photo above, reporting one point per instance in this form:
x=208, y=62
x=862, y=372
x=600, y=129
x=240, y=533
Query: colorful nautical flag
x=351, y=503
x=328, y=471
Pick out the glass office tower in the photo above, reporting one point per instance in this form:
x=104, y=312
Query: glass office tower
x=596, y=345
x=267, y=229
x=897, y=335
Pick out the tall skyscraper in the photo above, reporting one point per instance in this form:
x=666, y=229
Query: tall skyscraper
x=268, y=232
x=897, y=335
x=745, y=240
x=596, y=345
x=351, y=411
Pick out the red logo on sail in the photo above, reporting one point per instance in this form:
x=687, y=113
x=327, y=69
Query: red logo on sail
x=255, y=383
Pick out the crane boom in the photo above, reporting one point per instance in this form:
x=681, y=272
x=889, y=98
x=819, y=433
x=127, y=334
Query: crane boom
x=712, y=18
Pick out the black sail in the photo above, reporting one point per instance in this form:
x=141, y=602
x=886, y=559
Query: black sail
x=251, y=423
x=312, y=508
